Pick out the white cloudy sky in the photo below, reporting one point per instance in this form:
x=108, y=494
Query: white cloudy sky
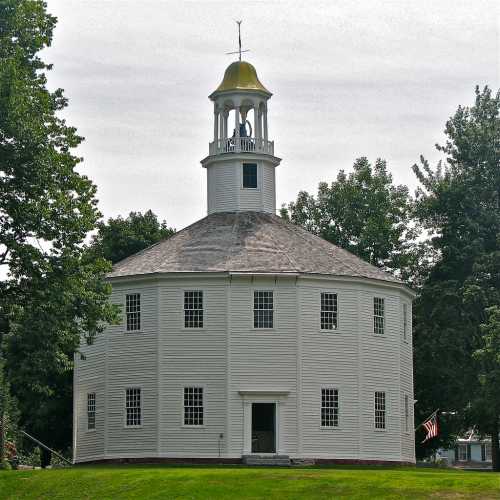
x=370, y=78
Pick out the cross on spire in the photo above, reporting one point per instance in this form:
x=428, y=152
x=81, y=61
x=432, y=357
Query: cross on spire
x=239, y=51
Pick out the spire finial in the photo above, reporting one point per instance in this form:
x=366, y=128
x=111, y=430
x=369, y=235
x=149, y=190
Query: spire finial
x=239, y=51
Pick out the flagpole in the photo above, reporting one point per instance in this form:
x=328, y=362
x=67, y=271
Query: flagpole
x=428, y=418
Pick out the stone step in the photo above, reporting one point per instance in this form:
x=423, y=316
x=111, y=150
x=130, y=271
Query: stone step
x=279, y=460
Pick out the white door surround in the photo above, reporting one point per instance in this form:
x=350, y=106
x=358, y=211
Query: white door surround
x=250, y=396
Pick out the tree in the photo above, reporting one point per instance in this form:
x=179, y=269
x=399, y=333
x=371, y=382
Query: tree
x=458, y=204
x=50, y=297
x=119, y=238
x=363, y=212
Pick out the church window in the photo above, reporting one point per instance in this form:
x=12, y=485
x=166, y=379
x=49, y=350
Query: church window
x=193, y=405
x=405, y=321
x=193, y=309
x=378, y=315
x=263, y=309
x=249, y=175
x=133, y=311
x=328, y=311
x=329, y=407
x=133, y=407
x=379, y=410
x=91, y=411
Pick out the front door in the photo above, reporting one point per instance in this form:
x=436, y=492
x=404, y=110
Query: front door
x=263, y=428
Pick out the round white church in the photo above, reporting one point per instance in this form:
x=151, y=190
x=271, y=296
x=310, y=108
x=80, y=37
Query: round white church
x=244, y=337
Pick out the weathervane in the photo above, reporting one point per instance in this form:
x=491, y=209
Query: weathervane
x=239, y=51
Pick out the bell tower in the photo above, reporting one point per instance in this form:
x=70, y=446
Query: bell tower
x=241, y=162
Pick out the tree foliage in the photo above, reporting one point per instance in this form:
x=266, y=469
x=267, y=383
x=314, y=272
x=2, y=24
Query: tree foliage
x=363, y=212
x=458, y=203
x=49, y=296
x=120, y=237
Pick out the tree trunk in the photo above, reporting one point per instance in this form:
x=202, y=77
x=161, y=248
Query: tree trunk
x=495, y=455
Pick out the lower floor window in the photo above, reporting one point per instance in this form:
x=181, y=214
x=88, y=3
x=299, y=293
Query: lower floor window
x=133, y=415
x=193, y=405
x=486, y=452
x=462, y=452
x=379, y=410
x=329, y=407
x=91, y=410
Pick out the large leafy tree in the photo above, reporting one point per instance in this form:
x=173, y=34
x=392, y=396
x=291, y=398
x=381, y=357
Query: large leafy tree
x=49, y=295
x=363, y=212
x=458, y=203
x=120, y=237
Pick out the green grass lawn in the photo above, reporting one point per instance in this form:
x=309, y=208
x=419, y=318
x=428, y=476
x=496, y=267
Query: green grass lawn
x=102, y=482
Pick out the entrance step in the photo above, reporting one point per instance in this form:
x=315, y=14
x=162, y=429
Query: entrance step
x=281, y=460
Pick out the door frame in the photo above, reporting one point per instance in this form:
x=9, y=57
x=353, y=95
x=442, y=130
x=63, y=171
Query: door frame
x=263, y=396
x=274, y=428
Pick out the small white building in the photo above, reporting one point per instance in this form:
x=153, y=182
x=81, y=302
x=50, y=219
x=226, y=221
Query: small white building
x=246, y=335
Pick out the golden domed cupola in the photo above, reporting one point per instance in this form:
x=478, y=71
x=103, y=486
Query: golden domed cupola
x=241, y=163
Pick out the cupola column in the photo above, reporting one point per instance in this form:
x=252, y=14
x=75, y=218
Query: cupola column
x=224, y=124
x=265, y=124
x=237, y=128
x=256, y=115
x=216, y=125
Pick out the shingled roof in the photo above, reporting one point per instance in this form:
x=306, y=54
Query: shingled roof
x=253, y=242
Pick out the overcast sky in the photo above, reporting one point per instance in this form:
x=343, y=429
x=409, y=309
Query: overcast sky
x=349, y=79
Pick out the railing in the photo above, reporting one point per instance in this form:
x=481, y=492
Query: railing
x=241, y=145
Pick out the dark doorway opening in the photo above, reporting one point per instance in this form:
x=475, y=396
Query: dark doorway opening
x=263, y=428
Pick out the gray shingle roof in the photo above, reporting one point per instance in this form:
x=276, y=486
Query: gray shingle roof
x=254, y=242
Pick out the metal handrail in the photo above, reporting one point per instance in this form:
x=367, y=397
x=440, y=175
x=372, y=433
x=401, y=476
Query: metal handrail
x=39, y=443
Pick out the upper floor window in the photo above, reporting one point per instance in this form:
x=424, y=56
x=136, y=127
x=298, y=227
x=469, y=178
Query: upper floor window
x=91, y=410
x=249, y=175
x=133, y=414
x=263, y=309
x=328, y=311
x=378, y=315
x=405, y=321
x=379, y=410
x=133, y=311
x=193, y=405
x=193, y=309
x=329, y=407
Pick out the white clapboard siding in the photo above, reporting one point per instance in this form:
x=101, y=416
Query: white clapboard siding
x=192, y=357
x=222, y=187
x=263, y=359
x=295, y=359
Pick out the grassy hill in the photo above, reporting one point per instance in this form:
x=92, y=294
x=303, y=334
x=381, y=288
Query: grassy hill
x=154, y=482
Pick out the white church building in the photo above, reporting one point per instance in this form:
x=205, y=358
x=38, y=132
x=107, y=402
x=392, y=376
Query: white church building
x=245, y=336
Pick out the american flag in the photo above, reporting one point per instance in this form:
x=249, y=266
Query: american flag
x=431, y=426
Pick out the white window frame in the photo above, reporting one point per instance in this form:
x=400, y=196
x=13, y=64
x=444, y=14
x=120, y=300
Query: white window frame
x=379, y=412
x=202, y=327
x=202, y=406
x=127, y=407
x=486, y=451
x=137, y=310
x=334, y=311
x=462, y=446
x=377, y=316
x=273, y=310
x=258, y=176
x=91, y=411
x=336, y=399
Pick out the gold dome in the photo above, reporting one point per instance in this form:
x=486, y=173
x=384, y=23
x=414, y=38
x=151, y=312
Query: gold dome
x=241, y=75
